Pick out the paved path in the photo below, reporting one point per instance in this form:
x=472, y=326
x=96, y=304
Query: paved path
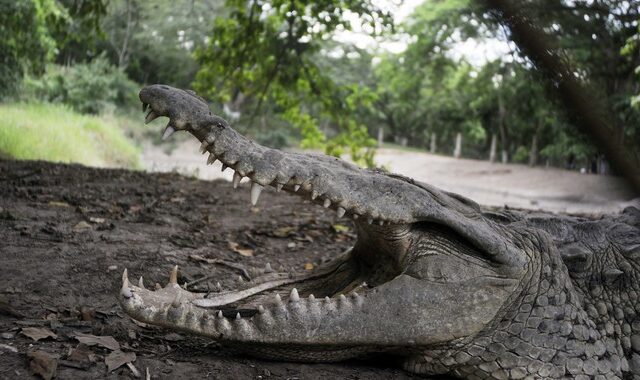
x=489, y=184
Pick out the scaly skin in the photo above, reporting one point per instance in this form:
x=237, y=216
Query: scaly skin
x=432, y=279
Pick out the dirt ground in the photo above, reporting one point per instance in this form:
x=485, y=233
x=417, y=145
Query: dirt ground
x=67, y=232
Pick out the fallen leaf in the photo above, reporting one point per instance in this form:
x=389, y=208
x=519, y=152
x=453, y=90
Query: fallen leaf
x=235, y=247
x=58, y=204
x=118, y=358
x=43, y=364
x=339, y=228
x=82, y=354
x=92, y=340
x=173, y=337
x=82, y=226
x=283, y=232
x=37, y=333
x=7, y=348
x=308, y=266
x=134, y=370
x=97, y=220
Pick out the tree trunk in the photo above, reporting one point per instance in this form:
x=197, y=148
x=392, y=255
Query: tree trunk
x=504, y=144
x=458, y=150
x=380, y=136
x=433, y=146
x=533, y=153
x=494, y=147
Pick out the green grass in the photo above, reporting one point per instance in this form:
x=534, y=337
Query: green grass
x=41, y=131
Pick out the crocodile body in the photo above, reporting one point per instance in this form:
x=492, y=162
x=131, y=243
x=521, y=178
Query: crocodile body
x=433, y=279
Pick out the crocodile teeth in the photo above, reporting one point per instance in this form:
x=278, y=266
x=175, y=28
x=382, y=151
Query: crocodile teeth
x=260, y=309
x=168, y=131
x=312, y=297
x=314, y=195
x=267, y=268
x=126, y=292
x=381, y=222
x=151, y=116
x=238, y=316
x=204, y=146
x=341, y=212
x=296, y=188
x=369, y=220
x=141, y=283
x=211, y=159
x=327, y=203
x=173, y=279
x=236, y=179
x=255, y=192
x=294, y=297
x=278, y=298
x=220, y=316
x=279, y=187
x=355, y=216
x=125, y=277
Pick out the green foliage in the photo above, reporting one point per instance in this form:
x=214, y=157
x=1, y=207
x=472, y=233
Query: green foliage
x=268, y=51
x=26, y=44
x=88, y=88
x=55, y=133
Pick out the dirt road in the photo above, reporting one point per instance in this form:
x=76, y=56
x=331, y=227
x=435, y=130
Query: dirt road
x=517, y=186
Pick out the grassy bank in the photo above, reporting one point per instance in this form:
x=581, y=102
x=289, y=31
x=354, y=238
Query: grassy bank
x=53, y=132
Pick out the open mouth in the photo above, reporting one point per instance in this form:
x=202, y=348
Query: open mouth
x=405, y=267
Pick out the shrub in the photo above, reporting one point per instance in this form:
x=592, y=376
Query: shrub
x=88, y=88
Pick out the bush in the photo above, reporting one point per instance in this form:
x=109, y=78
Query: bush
x=88, y=88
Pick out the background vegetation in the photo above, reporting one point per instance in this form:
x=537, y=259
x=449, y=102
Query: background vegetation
x=280, y=72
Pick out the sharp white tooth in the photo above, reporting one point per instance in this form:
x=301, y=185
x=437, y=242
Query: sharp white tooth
x=204, y=146
x=314, y=195
x=342, y=297
x=279, y=187
x=369, y=220
x=211, y=159
x=327, y=203
x=255, y=192
x=381, y=222
x=260, y=309
x=240, y=279
x=296, y=188
x=236, y=180
x=218, y=286
x=278, y=298
x=312, y=297
x=238, y=316
x=219, y=315
x=125, y=277
x=224, y=167
x=327, y=299
x=141, y=283
x=294, y=297
x=151, y=116
x=355, y=216
x=173, y=279
x=126, y=292
x=267, y=268
x=341, y=212
x=168, y=131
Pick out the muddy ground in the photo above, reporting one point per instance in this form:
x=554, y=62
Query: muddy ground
x=67, y=232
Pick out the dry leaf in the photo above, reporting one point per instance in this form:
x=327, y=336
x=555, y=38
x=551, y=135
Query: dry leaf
x=235, y=247
x=340, y=228
x=43, y=364
x=82, y=226
x=92, y=340
x=37, y=333
x=96, y=220
x=308, y=266
x=58, y=204
x=118, y=358
x=283, y=232
x=82, y=354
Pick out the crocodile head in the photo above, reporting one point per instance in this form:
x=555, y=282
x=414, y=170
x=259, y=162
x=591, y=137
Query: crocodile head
x=431, y=278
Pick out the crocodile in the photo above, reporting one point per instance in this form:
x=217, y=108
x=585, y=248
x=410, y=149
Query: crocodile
x=435, y=281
